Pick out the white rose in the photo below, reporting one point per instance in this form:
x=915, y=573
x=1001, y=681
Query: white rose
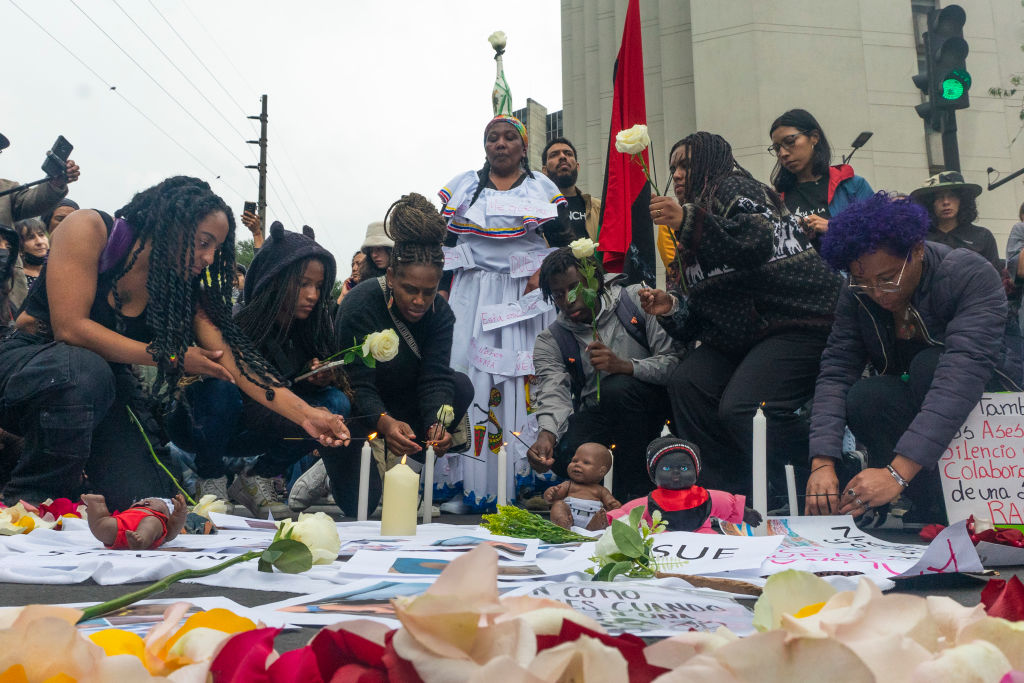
x=583, y=247
x=318, y=533
x=445, y=415
x=606, y=547
x=383, y=346
x=210, y=503
x=497, y=40
x=632, y=140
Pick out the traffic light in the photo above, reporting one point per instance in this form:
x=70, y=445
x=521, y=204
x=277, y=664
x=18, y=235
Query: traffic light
x=945, y=79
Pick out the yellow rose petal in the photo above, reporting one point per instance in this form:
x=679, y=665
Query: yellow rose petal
x=117, y=642
x=808, y=610
x=16, y=674
x=217, y=619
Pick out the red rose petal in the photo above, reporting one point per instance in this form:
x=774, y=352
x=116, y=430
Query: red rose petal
x=631, y=647
x=930, y=531
x=398, y=669
x=1004, y=598
x=336, y=649
x=243, y=658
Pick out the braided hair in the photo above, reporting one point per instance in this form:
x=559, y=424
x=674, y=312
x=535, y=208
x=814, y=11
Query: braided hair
x=166, y=216
x=710, y=162
x=418, y=230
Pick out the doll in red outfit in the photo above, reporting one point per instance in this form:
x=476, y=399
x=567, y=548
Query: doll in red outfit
x=145, y=525
x=674, y=466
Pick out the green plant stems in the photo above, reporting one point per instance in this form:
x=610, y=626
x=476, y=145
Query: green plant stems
x=153, y=453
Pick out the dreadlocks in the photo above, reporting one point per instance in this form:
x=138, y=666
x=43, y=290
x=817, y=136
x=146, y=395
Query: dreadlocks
x=710, y=161
x=560, y=261
x=418, y=231
x=166, y=216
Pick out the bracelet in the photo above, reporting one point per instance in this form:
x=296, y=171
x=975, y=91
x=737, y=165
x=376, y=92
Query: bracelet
x=898, y=477
x=820, y=467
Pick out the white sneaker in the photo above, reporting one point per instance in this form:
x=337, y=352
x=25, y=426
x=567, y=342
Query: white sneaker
x=218, y=486
x=312, y=488
x=259, y=496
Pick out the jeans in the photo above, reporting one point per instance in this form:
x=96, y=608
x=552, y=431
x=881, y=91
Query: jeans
x=715, y=396
x=214, y=421
x=630, y=415
x=70, y=405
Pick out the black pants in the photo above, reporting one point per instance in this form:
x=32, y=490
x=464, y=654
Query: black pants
x=70, y=405
x=630, y=415
x=343, y=463
x=714, y=397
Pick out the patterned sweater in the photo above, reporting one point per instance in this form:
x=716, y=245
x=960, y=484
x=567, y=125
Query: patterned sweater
x=750, y=270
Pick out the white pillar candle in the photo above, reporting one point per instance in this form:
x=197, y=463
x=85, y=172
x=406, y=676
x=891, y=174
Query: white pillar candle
x=428, y=485
x=365, y=457
x=502, y=476
x=794, y=510
x=401, y=491
x=760, y=463
x=611, y=468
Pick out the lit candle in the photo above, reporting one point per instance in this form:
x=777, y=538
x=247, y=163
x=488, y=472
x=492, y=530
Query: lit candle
x=428, y=485
x=791, y=490
x=401, y=491
x=502, y=476
x=611, y=468
x=365, y=456
x=760, y=469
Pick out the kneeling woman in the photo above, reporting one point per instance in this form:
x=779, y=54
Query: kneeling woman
x=286, y=316
x=928, y=319
x=408, y=390
x=151, y=288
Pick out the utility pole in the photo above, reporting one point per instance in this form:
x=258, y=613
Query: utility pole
x=261, y=207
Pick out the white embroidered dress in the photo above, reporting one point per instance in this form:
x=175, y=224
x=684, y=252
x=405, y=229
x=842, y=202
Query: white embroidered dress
x=498, y=248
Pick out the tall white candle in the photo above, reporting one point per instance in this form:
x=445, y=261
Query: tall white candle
x=611, y=468
x=760, y=475
x=428, y=485
x=365, y=457
x=791, y=490
x=502, y=476
x=401, y=491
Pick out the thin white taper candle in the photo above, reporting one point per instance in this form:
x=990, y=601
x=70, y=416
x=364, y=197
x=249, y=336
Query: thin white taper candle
x=794, y=509
x=365, y=456
x=428, y=485
x=760, y=464
x=502, y=496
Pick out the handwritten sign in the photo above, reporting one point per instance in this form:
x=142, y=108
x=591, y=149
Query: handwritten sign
x=500, y=204
x=490, y=359
x=499, y=315
x=457, y=257
x=649, y=608
x=524, y=363
x=982, y=469
x=525, y=264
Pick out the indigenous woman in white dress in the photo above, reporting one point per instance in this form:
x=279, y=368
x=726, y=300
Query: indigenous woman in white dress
x=503, y=219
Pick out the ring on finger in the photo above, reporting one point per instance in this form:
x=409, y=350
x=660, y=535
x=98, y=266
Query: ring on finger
x=859, y=502
x=851, y=492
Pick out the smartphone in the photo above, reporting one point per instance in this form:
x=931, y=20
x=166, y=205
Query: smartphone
x=56, y=161
x=250, y=207
x=326, y=366
x=861, y=139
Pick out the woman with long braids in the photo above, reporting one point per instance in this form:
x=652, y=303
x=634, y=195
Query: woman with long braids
x=287, y=318
x=498, y=215
x=760, y=303
x=151, y=288
x=407, y=391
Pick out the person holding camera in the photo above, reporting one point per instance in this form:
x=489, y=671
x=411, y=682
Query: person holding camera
x=29, y=202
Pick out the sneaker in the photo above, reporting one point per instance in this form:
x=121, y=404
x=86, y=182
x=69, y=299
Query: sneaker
x=218, y=486
x=258, y=495
x=312, y=488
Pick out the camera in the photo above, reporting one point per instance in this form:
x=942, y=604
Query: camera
x=55, y=165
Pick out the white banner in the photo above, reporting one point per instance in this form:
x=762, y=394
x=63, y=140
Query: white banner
x=526, y=263
x=499, y=315
x=457, y=257
x=500, y=205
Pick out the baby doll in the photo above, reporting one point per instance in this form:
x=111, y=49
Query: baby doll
x=674, y=465
x=579, y=500
x=144, y=526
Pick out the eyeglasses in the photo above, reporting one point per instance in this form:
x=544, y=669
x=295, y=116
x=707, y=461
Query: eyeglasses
x=786, y=143
x=884, y=286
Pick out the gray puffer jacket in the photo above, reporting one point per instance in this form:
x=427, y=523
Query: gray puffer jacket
x=961, y=305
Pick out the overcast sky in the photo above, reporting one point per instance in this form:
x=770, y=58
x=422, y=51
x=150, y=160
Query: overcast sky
x=367, y=100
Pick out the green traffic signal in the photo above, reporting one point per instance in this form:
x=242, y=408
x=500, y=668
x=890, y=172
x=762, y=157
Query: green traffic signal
x=955, y=84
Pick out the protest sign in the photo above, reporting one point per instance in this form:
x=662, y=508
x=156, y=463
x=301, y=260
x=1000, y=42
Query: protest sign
x=525, y=264
x=982, y=469
x=649, y=608
x=499, y=315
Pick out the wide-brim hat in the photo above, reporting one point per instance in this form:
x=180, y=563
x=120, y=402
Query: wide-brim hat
x=376, y=237
x=946, y=180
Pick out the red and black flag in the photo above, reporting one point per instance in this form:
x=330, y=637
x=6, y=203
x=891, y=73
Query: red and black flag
x=627, y=232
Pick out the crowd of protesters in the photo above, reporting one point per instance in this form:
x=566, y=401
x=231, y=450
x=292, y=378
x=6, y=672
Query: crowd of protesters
x=858, y=322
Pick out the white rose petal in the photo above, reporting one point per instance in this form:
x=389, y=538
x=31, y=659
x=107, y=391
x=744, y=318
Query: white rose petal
x=583, y=247
x=497, y=40
x=445, y=415
x=383, y=346
x=210, y=503
x=632, y=140
x=318, y=533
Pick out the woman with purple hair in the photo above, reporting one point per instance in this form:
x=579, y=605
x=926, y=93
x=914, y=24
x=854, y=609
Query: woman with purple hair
x=926, y=318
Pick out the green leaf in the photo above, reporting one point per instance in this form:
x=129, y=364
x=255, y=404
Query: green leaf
x=270, y=554
x=368, y=361
x=635, y=515
x=589, y=298
x=628, y=540
x=613, y=570
x=265, y=566
x=574, y=292
x=350, y=357
x=292, y=557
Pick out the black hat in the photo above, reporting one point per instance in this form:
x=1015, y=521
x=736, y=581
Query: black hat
x=664, y=445
x=282, y=249
x=946, y=180
x=4, y=142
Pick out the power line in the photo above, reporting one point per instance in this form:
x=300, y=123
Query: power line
x=157, y=83
x=131, y=104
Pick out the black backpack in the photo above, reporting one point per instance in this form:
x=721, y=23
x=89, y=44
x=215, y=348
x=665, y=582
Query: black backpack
x=631, y=318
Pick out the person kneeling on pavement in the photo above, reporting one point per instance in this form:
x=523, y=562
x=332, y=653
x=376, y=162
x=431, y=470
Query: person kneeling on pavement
x=634, y=356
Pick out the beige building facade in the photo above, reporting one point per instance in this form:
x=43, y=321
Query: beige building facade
x=732, y=66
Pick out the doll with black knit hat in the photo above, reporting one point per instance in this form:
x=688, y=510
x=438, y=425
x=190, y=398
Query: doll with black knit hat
x=286, y=316
x=674, y=466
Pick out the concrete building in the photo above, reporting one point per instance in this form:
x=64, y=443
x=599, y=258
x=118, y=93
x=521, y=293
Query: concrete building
x=732, y=66
x=541, y=127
